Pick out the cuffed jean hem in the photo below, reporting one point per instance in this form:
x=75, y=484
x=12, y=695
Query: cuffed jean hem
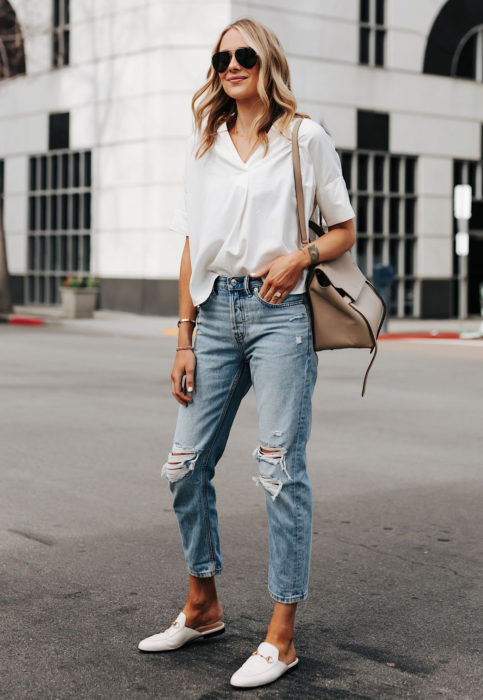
x=204, y=574
x=288, y=599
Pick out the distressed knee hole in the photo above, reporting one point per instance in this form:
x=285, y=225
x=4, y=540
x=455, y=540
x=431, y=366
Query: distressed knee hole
x=180, y=462
x=275, y=457
x=271, y=485
x=272, y=455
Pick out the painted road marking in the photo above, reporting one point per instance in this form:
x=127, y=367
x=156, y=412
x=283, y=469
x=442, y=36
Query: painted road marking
x=445, y=341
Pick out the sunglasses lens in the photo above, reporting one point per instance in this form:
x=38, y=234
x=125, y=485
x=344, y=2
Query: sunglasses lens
x=220, y=61
x=246, y=57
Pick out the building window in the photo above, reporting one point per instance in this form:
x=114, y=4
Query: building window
x=12, y=56
x=372, y=32
x=61, y=33
x=372, y=130
x=2, y=171
x=382, y=187
x=468, y=57
x=59, y=130
x=453, y=47
x=59, y=222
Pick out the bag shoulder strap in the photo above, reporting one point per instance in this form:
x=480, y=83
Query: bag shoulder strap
x=298, y=183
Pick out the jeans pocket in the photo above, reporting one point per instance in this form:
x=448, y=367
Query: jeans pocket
x=290, y=300
x=211, y=295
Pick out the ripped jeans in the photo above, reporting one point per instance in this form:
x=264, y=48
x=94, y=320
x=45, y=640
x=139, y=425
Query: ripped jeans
x=243, y=340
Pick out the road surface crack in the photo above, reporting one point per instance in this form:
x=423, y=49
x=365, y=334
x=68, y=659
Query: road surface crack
x=399, y=556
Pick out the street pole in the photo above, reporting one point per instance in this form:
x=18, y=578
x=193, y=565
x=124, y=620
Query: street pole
x=462, y=252
x=462, y=213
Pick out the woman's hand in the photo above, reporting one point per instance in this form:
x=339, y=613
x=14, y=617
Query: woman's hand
x=282, y=274
x=184, y=366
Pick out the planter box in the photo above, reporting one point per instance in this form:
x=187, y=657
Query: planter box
x=78, y=302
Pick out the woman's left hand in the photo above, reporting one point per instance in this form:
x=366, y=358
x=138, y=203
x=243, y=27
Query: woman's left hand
x=282, y=274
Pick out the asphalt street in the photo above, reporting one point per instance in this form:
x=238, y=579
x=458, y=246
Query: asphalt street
x=90, y=553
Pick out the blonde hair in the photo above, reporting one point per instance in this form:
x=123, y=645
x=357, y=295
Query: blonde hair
x=278, y=102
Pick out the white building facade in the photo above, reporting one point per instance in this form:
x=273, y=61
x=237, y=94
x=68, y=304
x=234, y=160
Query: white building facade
x=95, y=108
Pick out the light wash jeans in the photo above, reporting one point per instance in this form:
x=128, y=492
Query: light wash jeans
x=243, y=340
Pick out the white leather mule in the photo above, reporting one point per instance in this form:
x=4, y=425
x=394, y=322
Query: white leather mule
x=178, y=634
x=261, y=667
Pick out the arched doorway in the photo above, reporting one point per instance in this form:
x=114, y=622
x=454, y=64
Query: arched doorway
x=454, y=22
x=12, y=55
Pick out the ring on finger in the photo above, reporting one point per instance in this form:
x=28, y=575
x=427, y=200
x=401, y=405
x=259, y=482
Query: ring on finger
x=277, y=294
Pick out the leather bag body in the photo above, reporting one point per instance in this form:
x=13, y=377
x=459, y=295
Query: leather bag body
x=347, y=311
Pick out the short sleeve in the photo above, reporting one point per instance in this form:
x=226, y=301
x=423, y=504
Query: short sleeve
x=179, y=221
x=330, y=190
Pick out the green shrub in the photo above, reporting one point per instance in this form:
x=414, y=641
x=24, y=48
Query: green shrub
x=80, y=282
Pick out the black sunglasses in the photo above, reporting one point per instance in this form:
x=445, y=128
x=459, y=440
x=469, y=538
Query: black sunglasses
x=245, y=56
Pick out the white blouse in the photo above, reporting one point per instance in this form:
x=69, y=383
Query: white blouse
x=239, y=216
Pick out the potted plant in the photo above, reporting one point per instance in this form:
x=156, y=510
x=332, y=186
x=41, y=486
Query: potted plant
x=78, y=296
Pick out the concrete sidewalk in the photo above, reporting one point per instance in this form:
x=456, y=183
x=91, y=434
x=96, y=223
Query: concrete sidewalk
x=121, y=323
x=117, y=323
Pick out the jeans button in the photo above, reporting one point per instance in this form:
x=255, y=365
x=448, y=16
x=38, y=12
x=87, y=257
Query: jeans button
x=233, y=282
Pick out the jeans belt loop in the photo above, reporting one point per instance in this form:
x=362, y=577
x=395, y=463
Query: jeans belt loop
x=246, y=283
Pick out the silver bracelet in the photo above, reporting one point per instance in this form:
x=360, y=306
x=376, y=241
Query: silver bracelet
x=184, y=347
x=186, y=320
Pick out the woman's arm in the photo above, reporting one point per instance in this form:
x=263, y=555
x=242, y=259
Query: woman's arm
x=282, y=273
x=185, y=360
x=339, y=239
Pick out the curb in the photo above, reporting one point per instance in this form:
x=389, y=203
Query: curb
x=22, y=320
x=415, y=335
x=433, y=334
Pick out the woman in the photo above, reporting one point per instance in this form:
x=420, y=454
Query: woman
x=243, y=271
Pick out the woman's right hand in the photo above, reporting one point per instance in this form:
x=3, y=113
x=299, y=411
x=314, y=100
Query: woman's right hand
x=184, y=366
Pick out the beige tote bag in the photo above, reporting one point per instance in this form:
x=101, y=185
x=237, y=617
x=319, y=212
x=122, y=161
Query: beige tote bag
x=347, y=312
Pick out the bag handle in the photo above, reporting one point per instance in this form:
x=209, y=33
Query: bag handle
x=299, y=192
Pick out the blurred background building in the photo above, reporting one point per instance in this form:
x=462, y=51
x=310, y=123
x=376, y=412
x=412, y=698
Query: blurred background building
x=95, y=110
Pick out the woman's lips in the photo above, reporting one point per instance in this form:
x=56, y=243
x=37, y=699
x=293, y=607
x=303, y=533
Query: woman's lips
x=235, y=80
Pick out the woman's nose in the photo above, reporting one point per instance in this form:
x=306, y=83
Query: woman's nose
x=233, y=62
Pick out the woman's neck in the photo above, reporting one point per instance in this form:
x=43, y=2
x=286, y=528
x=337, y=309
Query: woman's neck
x=247, y=111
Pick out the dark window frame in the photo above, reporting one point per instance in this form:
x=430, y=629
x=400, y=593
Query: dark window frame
x=60, y=33
x=59, y=131
x=12, y=54
x=59, y=222
x=467, y=62
x=454, y=21
x=386, y=219
x=372, y=33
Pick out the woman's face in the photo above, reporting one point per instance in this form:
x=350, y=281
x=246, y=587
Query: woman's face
x=238, y=82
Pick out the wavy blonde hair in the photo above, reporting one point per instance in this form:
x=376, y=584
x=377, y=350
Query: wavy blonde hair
x=277, y=98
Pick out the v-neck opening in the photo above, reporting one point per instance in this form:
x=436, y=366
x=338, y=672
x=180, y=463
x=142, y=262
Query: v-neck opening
x=224, y=133
x=235, y=149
